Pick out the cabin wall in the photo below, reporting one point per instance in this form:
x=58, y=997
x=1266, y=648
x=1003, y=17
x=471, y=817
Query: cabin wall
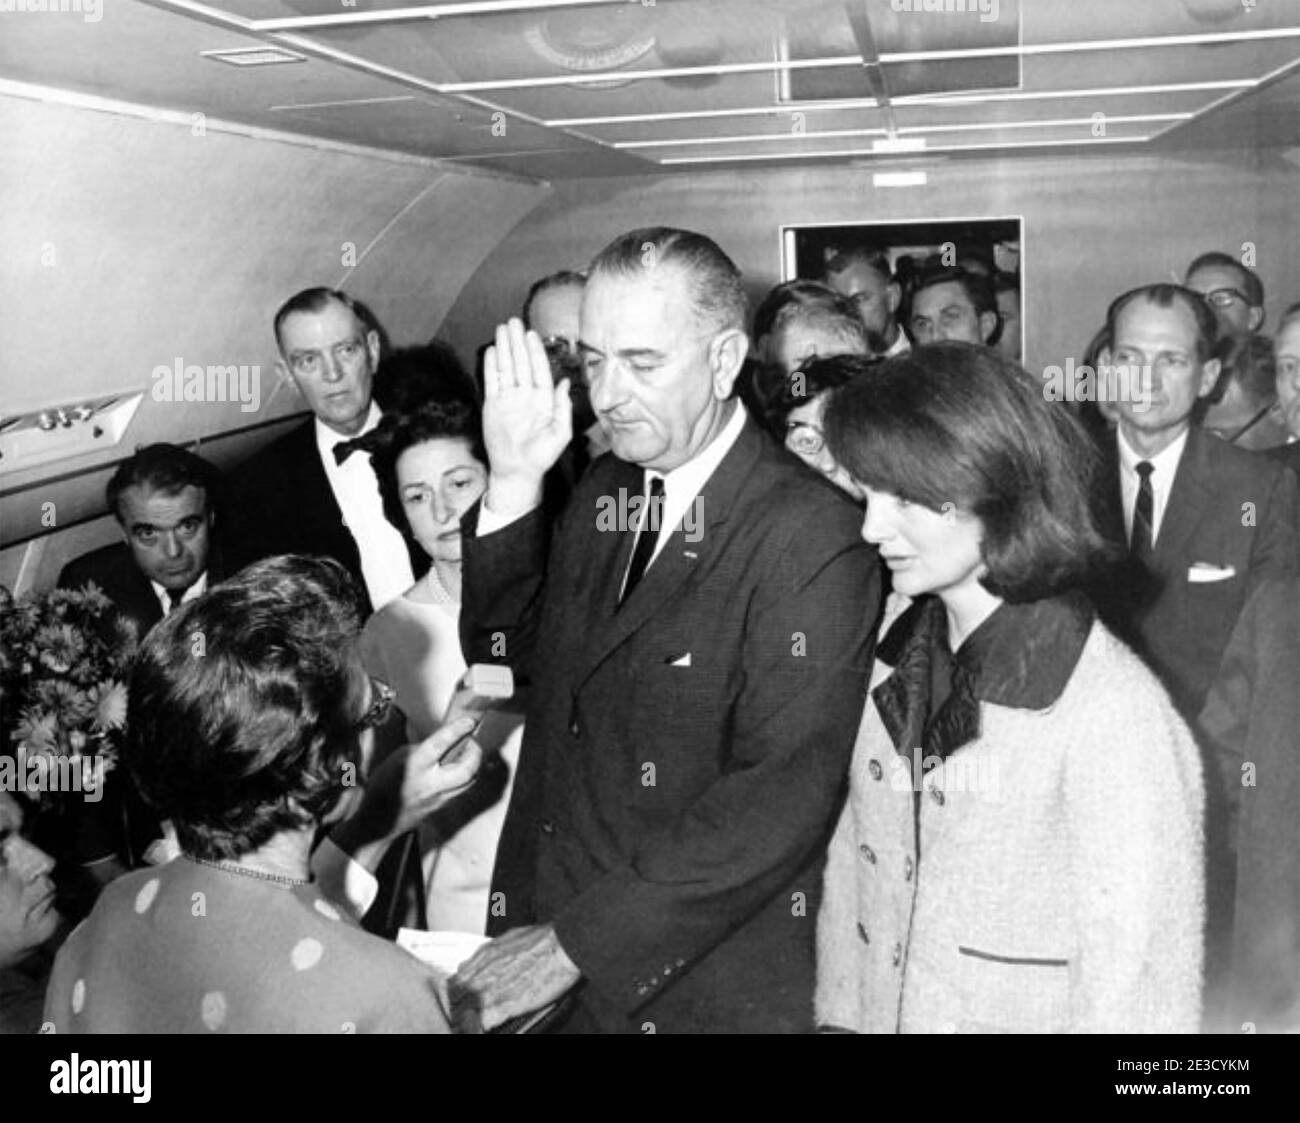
x=135, y=239
x=1092, y=228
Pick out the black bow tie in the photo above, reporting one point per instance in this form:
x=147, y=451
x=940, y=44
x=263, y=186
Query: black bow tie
x=344, y=449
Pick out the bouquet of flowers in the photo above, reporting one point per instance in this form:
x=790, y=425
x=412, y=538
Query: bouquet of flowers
x=63, y=664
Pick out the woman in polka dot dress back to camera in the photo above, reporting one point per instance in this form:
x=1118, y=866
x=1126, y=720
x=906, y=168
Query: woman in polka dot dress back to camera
x=1021, y=846
x=251, y=725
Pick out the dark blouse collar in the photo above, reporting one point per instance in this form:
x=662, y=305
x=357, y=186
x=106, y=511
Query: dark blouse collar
x=1022, y=656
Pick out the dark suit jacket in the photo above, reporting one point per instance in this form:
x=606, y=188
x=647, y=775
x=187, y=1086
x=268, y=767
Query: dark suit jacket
x=1252, y=717
x=281, y=503
x=670, y=820
x=113, y=569
x=119, y=823
x=1229, y=509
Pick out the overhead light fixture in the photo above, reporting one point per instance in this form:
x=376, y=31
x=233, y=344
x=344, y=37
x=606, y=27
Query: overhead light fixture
x=1084, y=46
x=850, y=152
x=254, y=56
x=897, y=142
x=422, y=12
x=658, y=72
x=898, y=179
x=894, y=144
x=937, y=100
x=743, y=138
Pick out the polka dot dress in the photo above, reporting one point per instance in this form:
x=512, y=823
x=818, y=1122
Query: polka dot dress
x=188, y=948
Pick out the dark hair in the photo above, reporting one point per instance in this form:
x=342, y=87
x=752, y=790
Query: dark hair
x=1006, y=282
x=840, y=258
x=805, y=294
x=1252, y=287
x=956, y=423
x=1291, y=313
x=716, y=290
x=1165, y=295
x=1251, y=363
x=448, y=419
x=979, y=290
x=565, y=278
x=247, y=735
x=166, y=468
x=317, y=300
x=799, y=387
x=412, y=376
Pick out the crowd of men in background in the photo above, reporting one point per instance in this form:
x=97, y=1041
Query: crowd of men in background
x=1201, y=494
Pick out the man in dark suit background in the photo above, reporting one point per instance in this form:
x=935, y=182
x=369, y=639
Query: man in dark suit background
x=698, y=680
x=313, y=491
x=165, y=500
x=1203, y=522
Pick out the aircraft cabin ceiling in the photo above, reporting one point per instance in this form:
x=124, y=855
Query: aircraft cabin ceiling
x=558, y=89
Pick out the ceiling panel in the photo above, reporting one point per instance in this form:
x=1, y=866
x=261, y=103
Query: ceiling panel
x=532, y=89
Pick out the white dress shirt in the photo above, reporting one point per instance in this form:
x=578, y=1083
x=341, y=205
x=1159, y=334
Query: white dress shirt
x=681, y=486
x=196, y=590
x=385, y=564
x=1164, y=465
x=901, y=345
x=684, y=483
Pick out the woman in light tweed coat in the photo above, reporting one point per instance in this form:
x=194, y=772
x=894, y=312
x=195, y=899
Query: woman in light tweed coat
x=1021, y=849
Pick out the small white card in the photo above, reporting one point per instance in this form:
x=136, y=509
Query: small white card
x=1201, y=573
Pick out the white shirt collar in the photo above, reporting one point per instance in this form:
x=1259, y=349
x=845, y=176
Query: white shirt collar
x=901, y=345
x=196, y=590
x=327, y=438
x=1165, y=462
x=688, y=480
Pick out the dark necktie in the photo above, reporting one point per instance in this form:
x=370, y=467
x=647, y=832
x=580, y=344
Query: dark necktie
x=344, y=449
x=647, y=536
x=1143, y=513
x=174, y=598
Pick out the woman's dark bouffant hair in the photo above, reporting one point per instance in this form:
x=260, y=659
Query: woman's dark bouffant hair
x=956, y=423
x=790, y=391
x=453, y=418
x=243, y=703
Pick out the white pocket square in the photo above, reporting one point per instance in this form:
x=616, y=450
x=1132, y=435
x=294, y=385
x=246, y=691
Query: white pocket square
x=1201, y=573
x=683, y=661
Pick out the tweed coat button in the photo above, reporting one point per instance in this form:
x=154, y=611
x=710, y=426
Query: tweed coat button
x=874, y=768
x=573, y=728
x=908, y=868
x=898, y=954
x=866, y=939
x=547, y=826
x=867, y=853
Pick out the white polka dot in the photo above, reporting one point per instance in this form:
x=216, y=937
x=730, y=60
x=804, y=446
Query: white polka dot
x=327, y=910
x=306, y=954
x=78, y=996
x=148, y=891
x=214, y=1009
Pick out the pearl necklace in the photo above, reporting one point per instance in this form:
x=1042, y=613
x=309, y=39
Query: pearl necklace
x=235, y=867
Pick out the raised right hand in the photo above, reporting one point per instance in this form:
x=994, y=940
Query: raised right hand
x=527, y=421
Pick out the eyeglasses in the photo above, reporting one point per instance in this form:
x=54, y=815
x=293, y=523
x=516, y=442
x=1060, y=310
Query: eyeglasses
x=381, y=705
x=1224, y=298
x=804, y=438
x=565, y=358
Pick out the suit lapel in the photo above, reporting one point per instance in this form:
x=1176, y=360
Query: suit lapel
x=1187, y=500
x=676, y=561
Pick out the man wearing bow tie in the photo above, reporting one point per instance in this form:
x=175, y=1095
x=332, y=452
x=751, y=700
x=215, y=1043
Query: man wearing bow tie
x=313, y=491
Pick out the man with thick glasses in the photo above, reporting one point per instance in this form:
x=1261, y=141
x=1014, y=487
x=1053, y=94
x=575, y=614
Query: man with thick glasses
x=1234, y=292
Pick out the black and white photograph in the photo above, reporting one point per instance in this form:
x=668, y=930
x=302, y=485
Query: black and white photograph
x=731, y=517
